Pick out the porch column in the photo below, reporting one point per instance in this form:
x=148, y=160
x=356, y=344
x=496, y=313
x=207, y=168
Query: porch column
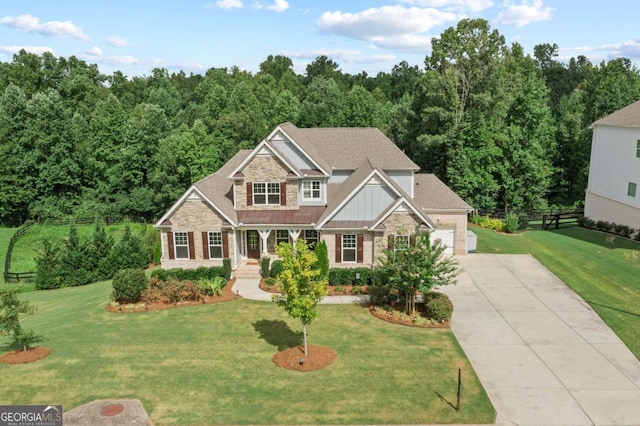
x=264, y=234
x=294, y=234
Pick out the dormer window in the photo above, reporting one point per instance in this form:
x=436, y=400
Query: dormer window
x=311, y=190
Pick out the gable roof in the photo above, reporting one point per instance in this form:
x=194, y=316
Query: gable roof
x=265, y=144
x=215, y=189
x=342, y=148
x=628, y=116
x=432, y=194
x=349, y=188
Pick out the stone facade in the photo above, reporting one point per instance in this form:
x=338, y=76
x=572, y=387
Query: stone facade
x=457, y=221
x=266, y=168
x=194, y=216
x=368, y=258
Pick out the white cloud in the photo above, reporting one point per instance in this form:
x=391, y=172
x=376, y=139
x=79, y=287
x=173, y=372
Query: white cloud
x=525, y=13
x=384, y=21
x=418, y=43
x=38, y=50
x=344, y=55
x=277, y=6
x=117, y=41
x=31, y=23
x=459, y=5
x=389, y=27
x=628, y=49
x=94, y=51
x=229, y=4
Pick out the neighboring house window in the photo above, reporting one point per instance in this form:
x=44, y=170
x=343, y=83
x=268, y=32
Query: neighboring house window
x=282, y=236
x=638, y=148
x=631, y=190
x=311, y=237
x=266, y=193
x=215, y=245
x=181, y=241
x=349, y=246
x=311, y=190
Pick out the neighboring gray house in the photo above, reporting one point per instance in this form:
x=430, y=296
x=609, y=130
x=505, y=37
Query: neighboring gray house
x=351, y=187
x=613, y=191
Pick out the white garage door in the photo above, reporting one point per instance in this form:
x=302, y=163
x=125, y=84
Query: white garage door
x=447, y=236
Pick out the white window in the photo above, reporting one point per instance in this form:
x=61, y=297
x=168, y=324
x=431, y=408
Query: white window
x=266, y=193
x=631, y=189
x=349, y=245
x=282, y=236
x=311, y=237
x=311, y=190
x=181, y=243
x=215, y=245
x=400, y=242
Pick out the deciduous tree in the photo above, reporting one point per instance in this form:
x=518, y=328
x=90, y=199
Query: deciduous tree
x=301, y=283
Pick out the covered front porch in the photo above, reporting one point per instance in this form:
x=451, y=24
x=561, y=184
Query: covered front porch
x=257, y=242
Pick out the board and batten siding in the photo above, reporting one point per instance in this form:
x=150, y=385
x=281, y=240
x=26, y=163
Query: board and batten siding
x=370, y=201
x=292, y=153
x=404, y=179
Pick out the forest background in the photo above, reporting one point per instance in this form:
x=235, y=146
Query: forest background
x=502, y=127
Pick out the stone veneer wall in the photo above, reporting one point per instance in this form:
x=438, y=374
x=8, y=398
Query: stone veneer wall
x=195, y=216
x=266, y=168
x=457, y=221
x=367, y=249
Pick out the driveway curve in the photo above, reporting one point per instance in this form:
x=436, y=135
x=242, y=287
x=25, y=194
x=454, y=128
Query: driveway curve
x=542, y=353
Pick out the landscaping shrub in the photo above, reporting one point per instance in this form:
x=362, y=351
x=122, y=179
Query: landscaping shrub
x=380, y=295
x=226, y=268
x=128, y=285
x=276, y=268
x=181, y=274
x=323, y=259
x=212, y=286
x=438, y=306
x=351, y=276
x=264, y=266
x=130, y=252
x=47, y=275
x=511, y=223
x=191, y=292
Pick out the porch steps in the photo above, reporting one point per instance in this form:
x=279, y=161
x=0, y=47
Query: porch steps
x=249, y=269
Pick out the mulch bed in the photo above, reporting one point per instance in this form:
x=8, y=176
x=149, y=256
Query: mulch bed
x=397, y=316
x=294, y=358
x=227, y=295
x=22, y=357
x=348, y=289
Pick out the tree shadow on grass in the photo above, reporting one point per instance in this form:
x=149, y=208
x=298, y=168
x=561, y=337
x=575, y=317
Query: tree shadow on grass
x=612, y=308
x=278, y=334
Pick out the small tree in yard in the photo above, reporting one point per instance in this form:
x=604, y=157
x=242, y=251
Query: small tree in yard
x=417, y=267
x=301, y=283
x=10, y=309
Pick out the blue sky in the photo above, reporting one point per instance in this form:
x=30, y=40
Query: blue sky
x=135, y=36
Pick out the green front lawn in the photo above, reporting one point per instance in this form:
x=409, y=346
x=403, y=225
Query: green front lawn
x=606, y=274
x=211, y=364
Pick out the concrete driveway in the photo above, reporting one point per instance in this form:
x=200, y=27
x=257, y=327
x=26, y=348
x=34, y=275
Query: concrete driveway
x=543, y=355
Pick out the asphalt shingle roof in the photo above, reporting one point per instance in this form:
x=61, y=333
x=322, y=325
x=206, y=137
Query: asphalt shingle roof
x=430, y=193
x=628, y=116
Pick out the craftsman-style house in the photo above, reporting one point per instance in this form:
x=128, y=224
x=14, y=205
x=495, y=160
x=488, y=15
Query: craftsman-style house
x=351, y=187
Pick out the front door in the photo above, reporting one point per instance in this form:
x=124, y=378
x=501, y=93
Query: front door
x=253, y=245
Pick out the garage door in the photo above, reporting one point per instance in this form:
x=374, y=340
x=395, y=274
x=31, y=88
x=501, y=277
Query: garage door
x=447, y=236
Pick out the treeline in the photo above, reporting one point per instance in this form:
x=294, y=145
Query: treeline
x=503, y=128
